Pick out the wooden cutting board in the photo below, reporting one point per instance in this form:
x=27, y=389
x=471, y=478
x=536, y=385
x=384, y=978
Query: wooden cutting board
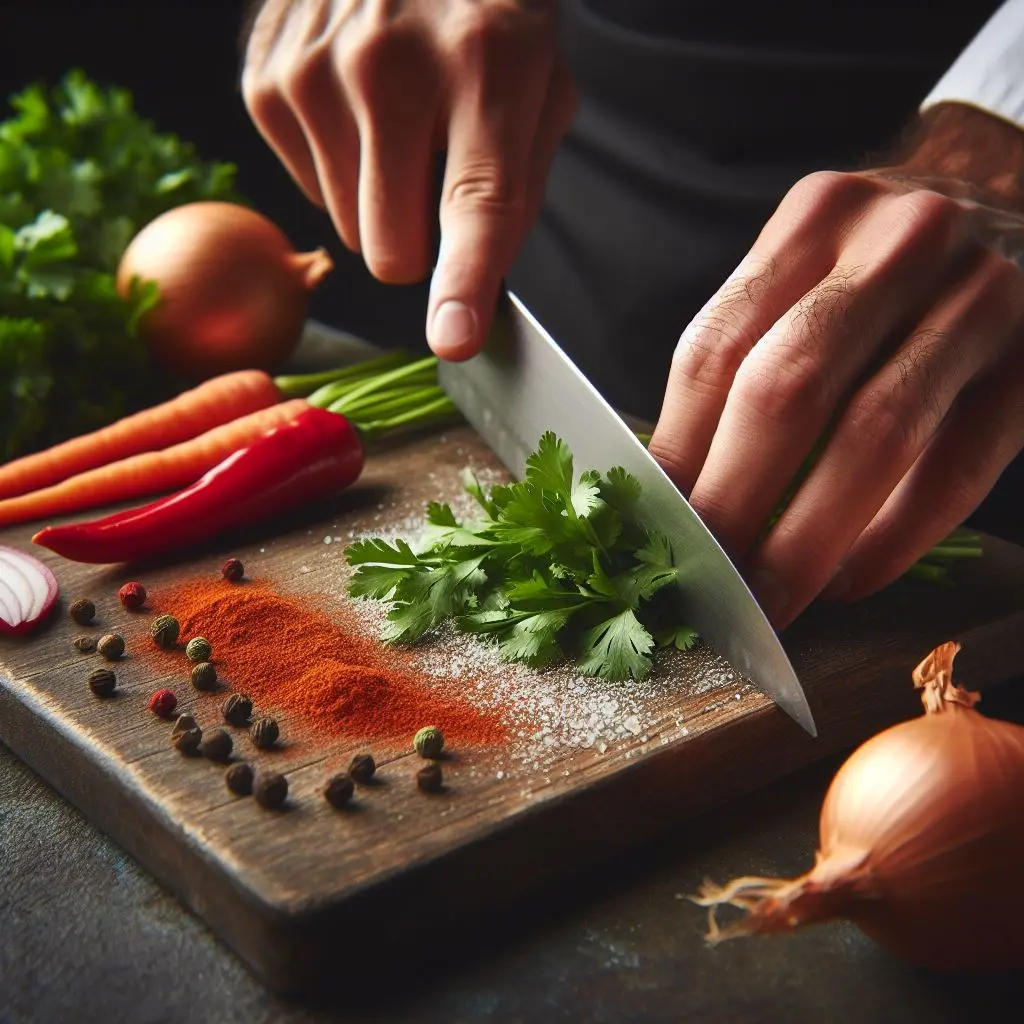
x=590, y=769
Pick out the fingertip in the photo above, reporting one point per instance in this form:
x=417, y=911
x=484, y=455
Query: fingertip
x=454, y=331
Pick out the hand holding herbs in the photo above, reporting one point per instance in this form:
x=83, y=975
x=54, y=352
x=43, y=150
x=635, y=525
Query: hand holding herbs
x=556, y=566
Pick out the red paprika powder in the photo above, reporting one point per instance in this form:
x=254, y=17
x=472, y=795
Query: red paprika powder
x=322, y=672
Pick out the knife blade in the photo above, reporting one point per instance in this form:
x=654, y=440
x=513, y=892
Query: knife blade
x=521, y=385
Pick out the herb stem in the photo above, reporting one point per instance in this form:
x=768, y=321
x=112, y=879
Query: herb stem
x=306, y=384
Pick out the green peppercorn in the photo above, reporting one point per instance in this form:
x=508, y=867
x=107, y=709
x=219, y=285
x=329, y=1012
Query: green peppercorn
x=204, y=676
x=102, y=682
x=430, y=779
x=165, y=631
x=238, y=778
x=339, y=790
x=198, y=649
x=111, y=646
x=237, y=709
x=187, y=741
x=362, y=768
x=216, y=745
x=85, y=644
x=429, y=741
x=264, y=733
x=271, y=790
x=83, y=611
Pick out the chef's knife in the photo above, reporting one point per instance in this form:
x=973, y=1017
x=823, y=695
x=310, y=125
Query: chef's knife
x=522, y=385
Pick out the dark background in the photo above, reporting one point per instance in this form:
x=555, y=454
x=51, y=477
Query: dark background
x=181, y=61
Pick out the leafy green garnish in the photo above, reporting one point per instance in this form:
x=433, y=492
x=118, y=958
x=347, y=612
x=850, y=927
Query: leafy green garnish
x=80, y=174
x=556, y=566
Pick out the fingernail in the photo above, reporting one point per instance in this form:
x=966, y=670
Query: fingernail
x=838, y=587
x=454, y=327
x=771, y=593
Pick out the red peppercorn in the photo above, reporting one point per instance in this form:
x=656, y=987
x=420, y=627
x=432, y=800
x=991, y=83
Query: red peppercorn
x=163, y=703
x=132, y=596
x=232, y=570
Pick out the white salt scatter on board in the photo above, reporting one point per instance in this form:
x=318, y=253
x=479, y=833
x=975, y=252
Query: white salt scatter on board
x=545, y=712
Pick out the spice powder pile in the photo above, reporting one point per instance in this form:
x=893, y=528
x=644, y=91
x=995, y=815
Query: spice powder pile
x=324, y=672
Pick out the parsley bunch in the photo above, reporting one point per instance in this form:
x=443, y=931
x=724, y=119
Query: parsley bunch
x=556, y=566
x=80, y=174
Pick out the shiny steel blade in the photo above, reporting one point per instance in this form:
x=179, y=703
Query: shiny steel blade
x=522, y=385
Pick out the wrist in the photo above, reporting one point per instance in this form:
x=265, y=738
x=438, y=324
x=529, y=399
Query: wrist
x=962, y=143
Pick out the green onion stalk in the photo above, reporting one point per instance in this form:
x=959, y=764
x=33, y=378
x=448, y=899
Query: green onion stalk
x=392, y=394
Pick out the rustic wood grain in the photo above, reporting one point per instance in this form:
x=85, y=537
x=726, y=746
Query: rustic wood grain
x=297, y=893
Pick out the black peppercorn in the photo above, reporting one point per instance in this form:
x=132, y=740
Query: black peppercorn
x=102, y=682
x=83, y=611
x=184, y=722
x=362, y=768
x=85, y=644
x=264, y=733
x=430, y=779
x=238, y=778
x=187, y=741
x=203, y=676
x=339, y=790
x=237, y=709
x=271, y=791
x=111, y=646
x=216, y=745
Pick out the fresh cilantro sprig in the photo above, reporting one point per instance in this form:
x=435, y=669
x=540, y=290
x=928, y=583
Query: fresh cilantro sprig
x=80, y=174
x=556, y=566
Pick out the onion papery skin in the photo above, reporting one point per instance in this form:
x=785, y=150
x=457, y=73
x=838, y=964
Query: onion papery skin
x=921, y=846
x=234, y=294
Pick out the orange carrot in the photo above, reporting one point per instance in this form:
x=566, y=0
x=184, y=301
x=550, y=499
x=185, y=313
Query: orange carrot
x=190, y=414
x=149, y=472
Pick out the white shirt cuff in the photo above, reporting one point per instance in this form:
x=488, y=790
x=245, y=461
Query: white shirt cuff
x=990, y=72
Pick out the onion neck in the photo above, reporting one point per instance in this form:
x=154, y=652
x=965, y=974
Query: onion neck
x=934, y=678
x=311, y=267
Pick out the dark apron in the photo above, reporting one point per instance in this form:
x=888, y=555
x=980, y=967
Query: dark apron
x=695, y=120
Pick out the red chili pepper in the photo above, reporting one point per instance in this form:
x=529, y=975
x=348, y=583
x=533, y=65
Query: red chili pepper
x=313, y=456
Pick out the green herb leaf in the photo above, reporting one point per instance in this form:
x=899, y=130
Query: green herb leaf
x=422, y=601
x=617, y=648
x=553, y=565
x=80, y=174
x=680, y=637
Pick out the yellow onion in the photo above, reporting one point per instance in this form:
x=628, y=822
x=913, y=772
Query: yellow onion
x=921, y=840
x=234, y=294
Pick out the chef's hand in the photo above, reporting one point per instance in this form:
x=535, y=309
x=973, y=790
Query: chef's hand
x=876, y=310
x=357, y=98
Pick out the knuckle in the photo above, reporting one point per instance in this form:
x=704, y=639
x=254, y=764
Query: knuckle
x=821, y=191
x=487, y=185
x=488, y=37
x=827, y=312
x=307, y=81
x=888, y=417
x=712, y=349
x=259, y=97
x=395, y=266
x=927, y=212
x=385, y=58
x=1001, y=280
x=667, y=454
x=784, y=383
